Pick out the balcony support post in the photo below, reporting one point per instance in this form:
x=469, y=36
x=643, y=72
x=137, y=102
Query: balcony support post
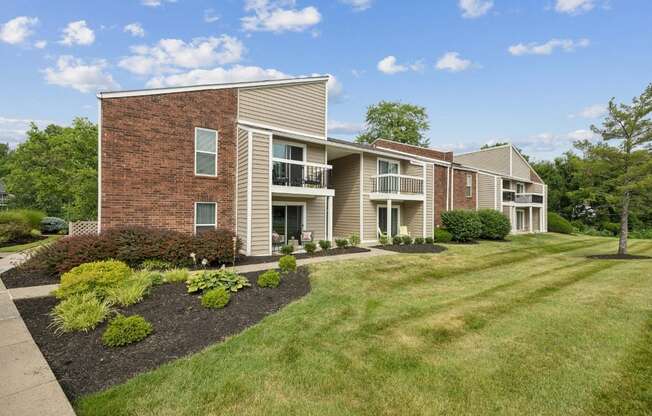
x=329, y=208
x=530, y=220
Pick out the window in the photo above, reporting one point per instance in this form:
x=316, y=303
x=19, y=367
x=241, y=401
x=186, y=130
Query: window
x=205, y=216
x=284, y=173
x=287, y=152
x=469, y=185
x=520, y=188
x=205, y=152
x=387, y=166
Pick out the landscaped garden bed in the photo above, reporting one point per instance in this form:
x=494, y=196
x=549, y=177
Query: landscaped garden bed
x=321, y=253
x=181, y=326
x=412, y=248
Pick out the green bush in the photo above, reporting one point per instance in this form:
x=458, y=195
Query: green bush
x=324, y=244
x=559, y=224
x=35, y=233
x=430, y=240
x=31, y=217
x=341, y=242
x=641, y=234
x=406, y=239
x=612, y=227
x=354, y=240
x=397, y=240
x=495, y=225
x=287, y=249
x=53, y=225
x=215, y=298
x=176, y=275
x=383, y=239
x=156, y=264
x=14, y=232
x=464, y=225
x=270, y=278
x=310, y=247
x=81, y=312
x=419, y=240
x=442, y=236
x=123, y=330
x=133, y=289
x=207, y=280
x=94, y=277
x=287, y=264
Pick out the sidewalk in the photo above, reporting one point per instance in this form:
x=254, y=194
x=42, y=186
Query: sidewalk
x=27, y=385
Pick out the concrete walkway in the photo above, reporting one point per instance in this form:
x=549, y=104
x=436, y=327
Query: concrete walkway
x=27, y=385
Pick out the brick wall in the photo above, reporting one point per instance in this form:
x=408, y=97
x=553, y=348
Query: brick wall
x=440, y=192
x=415, y=150
x=460, y=201
x=148, y=159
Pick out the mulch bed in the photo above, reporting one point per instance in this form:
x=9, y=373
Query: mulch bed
x=618, y=257
x=413, y=248
x=270, y=259
x=83, y=365
x=24, y=278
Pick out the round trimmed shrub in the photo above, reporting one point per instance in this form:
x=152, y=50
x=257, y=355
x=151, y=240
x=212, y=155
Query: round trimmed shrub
x=95, y=277
x=430, y=240
x=419, y=240
x=270, y=278
x=495, y=225
x=216, y=298
x=287, y=249
x=406, y=239
x=287, y=264
x=341, y=242
x=383, y=239
x=123, y=330
x=442, y=236
x=463, y=225
x=559, y=224
x=310, y=247
x=53, y=225
x=324, y=244
x=397, y=240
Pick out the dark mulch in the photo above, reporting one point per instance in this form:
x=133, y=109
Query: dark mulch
x=299, y=256
x=413, y=248
x=181, y=327
x=618, y=257
x=25, y=240
x=24, y=278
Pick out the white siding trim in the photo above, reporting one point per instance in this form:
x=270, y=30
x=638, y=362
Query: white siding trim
x=250, y=139
x=269, y=189
x=448, y=174
x=477, y=193
x=99, y=165
x=425, y=200
x=452, y=185
x=326, y=109
x=361, y=215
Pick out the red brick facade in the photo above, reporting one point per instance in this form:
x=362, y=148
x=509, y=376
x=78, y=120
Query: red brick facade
x=147, y=171
x=460, y=200
x=415, y=150
x=440, y=192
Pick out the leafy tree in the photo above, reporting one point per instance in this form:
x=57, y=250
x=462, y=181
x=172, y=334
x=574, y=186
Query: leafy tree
x=5, y=152
x=55, y=170
x=623, y=171
x=404, y=123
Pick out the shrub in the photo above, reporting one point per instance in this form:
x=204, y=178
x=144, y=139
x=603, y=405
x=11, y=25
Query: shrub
x=341, y=242
x=641, y=234
x=495, y=225
x=397, y=240
x=132, y=290
x=215, y=298
x=354, y=240
x=14, y=232
x=35, y=233
x=270, y=278
x=611, y=227
x=94, y=277
x=81, y=312
x=31, y=217
x=429, y=240
x=287, y=264
x=206, y=280
x=559, y=224
x=310, y=247
x=123, y=330
x=463, y=225
x=419, y=240
x=406, y=239
x=287, y=249
x=383, y=239
x=442, y=236
x=176, y=275
x=156, y=264
x=324, y=244
x=53, y=225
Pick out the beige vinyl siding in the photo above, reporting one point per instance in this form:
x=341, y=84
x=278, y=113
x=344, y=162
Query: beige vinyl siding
x=535, y=219
x=412, y=217
x=315, y=153
x=499, y=192
x=486, y=191
x=316, y=217
x=409, y=169
x=241, y=201
x=496, y=160
x=535, y=188
x=260, y=215
x=297, y=107
x=520, y=168
x=346, y=202
x=430, y=200
x=368, y=207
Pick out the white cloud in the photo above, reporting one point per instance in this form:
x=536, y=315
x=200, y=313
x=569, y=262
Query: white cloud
x=278, y=16
x=237, y=73
x=210, y=16
x=358, y=5
x=77, y=33
x=452, y=62
x=582, y=135
x=171, y=55
x=135, y=29
x=40, y=44
x=17, y=30
x=388, y=65
x=358, y=72
x=339, y=127
x=156, y=3
x=592, y=111
x=475, y=8
x=567, y=45
x=12, y=130
x=84, y=77
x=574, y=6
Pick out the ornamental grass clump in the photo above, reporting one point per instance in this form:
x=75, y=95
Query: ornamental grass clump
x=215, y=298
x=79, y=312
x=123, y=330
x=176, y=275
x=270, y=278
x=133, y=289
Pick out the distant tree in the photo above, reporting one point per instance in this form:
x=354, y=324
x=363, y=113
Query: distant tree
x=623, y=172
x=404, y=123
x=5, y=152
x=562, y=177
x=55, y=170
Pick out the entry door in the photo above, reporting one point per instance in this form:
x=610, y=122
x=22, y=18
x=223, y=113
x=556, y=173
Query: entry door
x=382, y=220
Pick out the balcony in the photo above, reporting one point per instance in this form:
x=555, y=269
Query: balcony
x=394, y=186
x=530, y=198
x=303, y=178
x=509, y=196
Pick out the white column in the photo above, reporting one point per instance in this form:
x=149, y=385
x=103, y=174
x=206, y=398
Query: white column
x=389, y=218
x=529, y=220
x=329, y=237
x=512, y=213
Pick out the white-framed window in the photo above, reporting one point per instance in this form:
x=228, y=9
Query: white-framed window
x=386, y=166
x=520, y=188
x=205, y=152
x=205, y=216
x=469, y=185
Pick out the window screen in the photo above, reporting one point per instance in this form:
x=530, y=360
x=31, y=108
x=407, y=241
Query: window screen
x=205, y=216
x=205, y=152
x=469, y=186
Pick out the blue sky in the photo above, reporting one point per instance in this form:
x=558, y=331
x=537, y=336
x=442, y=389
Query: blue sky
x=533, y=72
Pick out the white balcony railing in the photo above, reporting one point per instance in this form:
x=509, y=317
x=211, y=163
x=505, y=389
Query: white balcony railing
x=392, y=183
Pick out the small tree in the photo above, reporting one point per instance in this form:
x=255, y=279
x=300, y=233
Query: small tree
x=627, y=167
x=403, y=123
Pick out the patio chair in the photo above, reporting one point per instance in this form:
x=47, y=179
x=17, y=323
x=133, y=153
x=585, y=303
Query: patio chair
x=403, y=230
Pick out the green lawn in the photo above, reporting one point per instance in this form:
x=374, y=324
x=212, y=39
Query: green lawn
x=527, y=327
x=22, y=247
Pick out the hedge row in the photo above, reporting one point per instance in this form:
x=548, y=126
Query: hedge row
x=465, y=225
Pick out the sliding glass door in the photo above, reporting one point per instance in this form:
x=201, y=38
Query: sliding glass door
x=382, y=220
x=287, y=222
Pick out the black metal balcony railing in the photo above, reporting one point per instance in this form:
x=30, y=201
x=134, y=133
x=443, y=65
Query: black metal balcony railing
x=508, y=196
x=529, y=198
x=397, y=184
x=299, y=175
